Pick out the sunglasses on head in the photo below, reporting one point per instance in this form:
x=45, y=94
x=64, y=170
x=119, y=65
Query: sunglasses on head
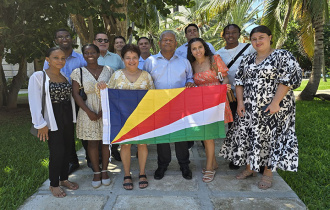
x=102, y=40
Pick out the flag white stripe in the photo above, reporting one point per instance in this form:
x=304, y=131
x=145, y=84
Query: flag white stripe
x=105, y=115
x=205, y=117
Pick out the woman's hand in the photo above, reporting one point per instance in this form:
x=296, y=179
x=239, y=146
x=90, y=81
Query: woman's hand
x=190, y=84
x=43, y=134
x=99, y=115
x=101, y=85
x=273, y=108
x=92, y=116
x=240, y=109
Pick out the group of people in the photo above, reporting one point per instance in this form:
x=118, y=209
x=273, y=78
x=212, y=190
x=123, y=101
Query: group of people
x=261, y=121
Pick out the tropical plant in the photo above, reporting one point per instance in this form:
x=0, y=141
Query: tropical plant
x=311, y=16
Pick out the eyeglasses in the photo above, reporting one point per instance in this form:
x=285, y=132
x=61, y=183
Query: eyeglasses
x=64, y=37
x=102, y=40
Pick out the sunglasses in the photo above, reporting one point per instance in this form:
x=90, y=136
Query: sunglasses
x=102, y=40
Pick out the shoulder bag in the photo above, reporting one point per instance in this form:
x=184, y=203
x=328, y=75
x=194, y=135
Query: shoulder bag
x=81, y=89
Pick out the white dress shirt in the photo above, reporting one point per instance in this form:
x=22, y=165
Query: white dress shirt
x=168, y=74
x=35, y=102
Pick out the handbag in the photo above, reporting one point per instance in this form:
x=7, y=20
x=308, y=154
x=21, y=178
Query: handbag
x=81, y=89
x=230, y=94
x=33, y=130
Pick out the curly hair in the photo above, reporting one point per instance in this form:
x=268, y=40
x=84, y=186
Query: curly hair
x=130, y=48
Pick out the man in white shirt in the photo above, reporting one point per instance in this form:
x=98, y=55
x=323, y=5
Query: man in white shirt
x=107, y=58
x=191, y=31
x=231, y=34
x=144, y=46
x=169, y=70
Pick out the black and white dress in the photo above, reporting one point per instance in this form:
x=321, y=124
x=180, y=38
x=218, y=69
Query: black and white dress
x=261, y=139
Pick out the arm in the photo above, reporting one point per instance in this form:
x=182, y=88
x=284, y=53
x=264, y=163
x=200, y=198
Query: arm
x=75, y=92
x=279, y=95
x=240, y=103
x=35, y=97
x=189, y=76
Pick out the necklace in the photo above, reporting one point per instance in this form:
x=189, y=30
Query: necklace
x=93, y=71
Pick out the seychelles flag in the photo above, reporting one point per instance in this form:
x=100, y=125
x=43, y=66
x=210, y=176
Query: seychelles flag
x=163, y=115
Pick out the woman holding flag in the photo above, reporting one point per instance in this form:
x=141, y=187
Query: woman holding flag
x=131, y=78
x=206, y=67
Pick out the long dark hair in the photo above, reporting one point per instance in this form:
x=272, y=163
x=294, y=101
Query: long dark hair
x=208, y=52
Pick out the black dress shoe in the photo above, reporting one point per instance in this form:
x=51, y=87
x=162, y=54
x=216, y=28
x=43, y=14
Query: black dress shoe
x=186, y=173
x=115, y=154
x=159, y=173
x=233, y=166
x=73, y=167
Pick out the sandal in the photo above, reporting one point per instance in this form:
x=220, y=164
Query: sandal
x=208, y=176
x=145, y=182
x=265, y=182
x=69, y=185
x=57, y=192
x=244, y=174
x=204, y=169
x=128, y=184
x=97, y=184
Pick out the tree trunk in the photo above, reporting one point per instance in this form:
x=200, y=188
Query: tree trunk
x=81, y=28
x=318, y=61
x=3, y=82
x=38, y=64
x=285, y=25
x=17, y=82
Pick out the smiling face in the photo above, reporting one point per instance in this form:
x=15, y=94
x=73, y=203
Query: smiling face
x=104, y=44
x=231, y=35
x=144, y=46
x=119, y=44
x=56, y=59
x=192, y=32
x=63, y=40
x=261, y=41
x=90, y=54
x=131, y=60
x=197, y=50
x=168, y=43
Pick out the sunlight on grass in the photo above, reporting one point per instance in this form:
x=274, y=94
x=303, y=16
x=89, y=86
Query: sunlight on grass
x=45, y=162
x=322, y=86
x=7, y=169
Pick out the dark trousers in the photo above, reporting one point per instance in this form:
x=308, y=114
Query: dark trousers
x=59, y=143
x=164, y=154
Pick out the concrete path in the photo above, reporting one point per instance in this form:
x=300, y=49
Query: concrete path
x=172, y=192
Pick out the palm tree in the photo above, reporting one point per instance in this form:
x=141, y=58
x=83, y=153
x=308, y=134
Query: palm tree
x=311, y=14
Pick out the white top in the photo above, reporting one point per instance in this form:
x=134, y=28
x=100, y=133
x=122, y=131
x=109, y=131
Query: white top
x=228, y=54
x=168, y=74
x=182, y=50
x=35, y=98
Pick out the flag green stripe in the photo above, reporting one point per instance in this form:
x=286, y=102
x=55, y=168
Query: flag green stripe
x=205, y=132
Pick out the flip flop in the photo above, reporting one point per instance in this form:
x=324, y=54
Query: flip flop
x=69, y=185
x=143, y=182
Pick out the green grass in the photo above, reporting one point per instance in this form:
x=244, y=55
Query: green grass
x=322, y=86
x=311, y=182
x=24, y=159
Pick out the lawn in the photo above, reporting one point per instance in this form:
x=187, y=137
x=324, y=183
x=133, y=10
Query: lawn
x=322, y=86
x=24, y=159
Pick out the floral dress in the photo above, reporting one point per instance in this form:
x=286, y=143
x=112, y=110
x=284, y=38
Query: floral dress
x=209, y=77
x=120, y=81
x=87, y=129
x=258, y=138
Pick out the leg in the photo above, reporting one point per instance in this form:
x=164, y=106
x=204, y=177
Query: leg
x=211, y=162
x=125, y=154
x=164, y=158
x=93, y=152
x=182, y=154
x=114, y=152
x=105, y=162
x=143, y=154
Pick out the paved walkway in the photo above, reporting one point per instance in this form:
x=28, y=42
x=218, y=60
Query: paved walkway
x=172, y=192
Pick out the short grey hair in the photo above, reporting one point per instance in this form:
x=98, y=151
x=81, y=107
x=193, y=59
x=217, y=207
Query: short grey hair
x=165, y=32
